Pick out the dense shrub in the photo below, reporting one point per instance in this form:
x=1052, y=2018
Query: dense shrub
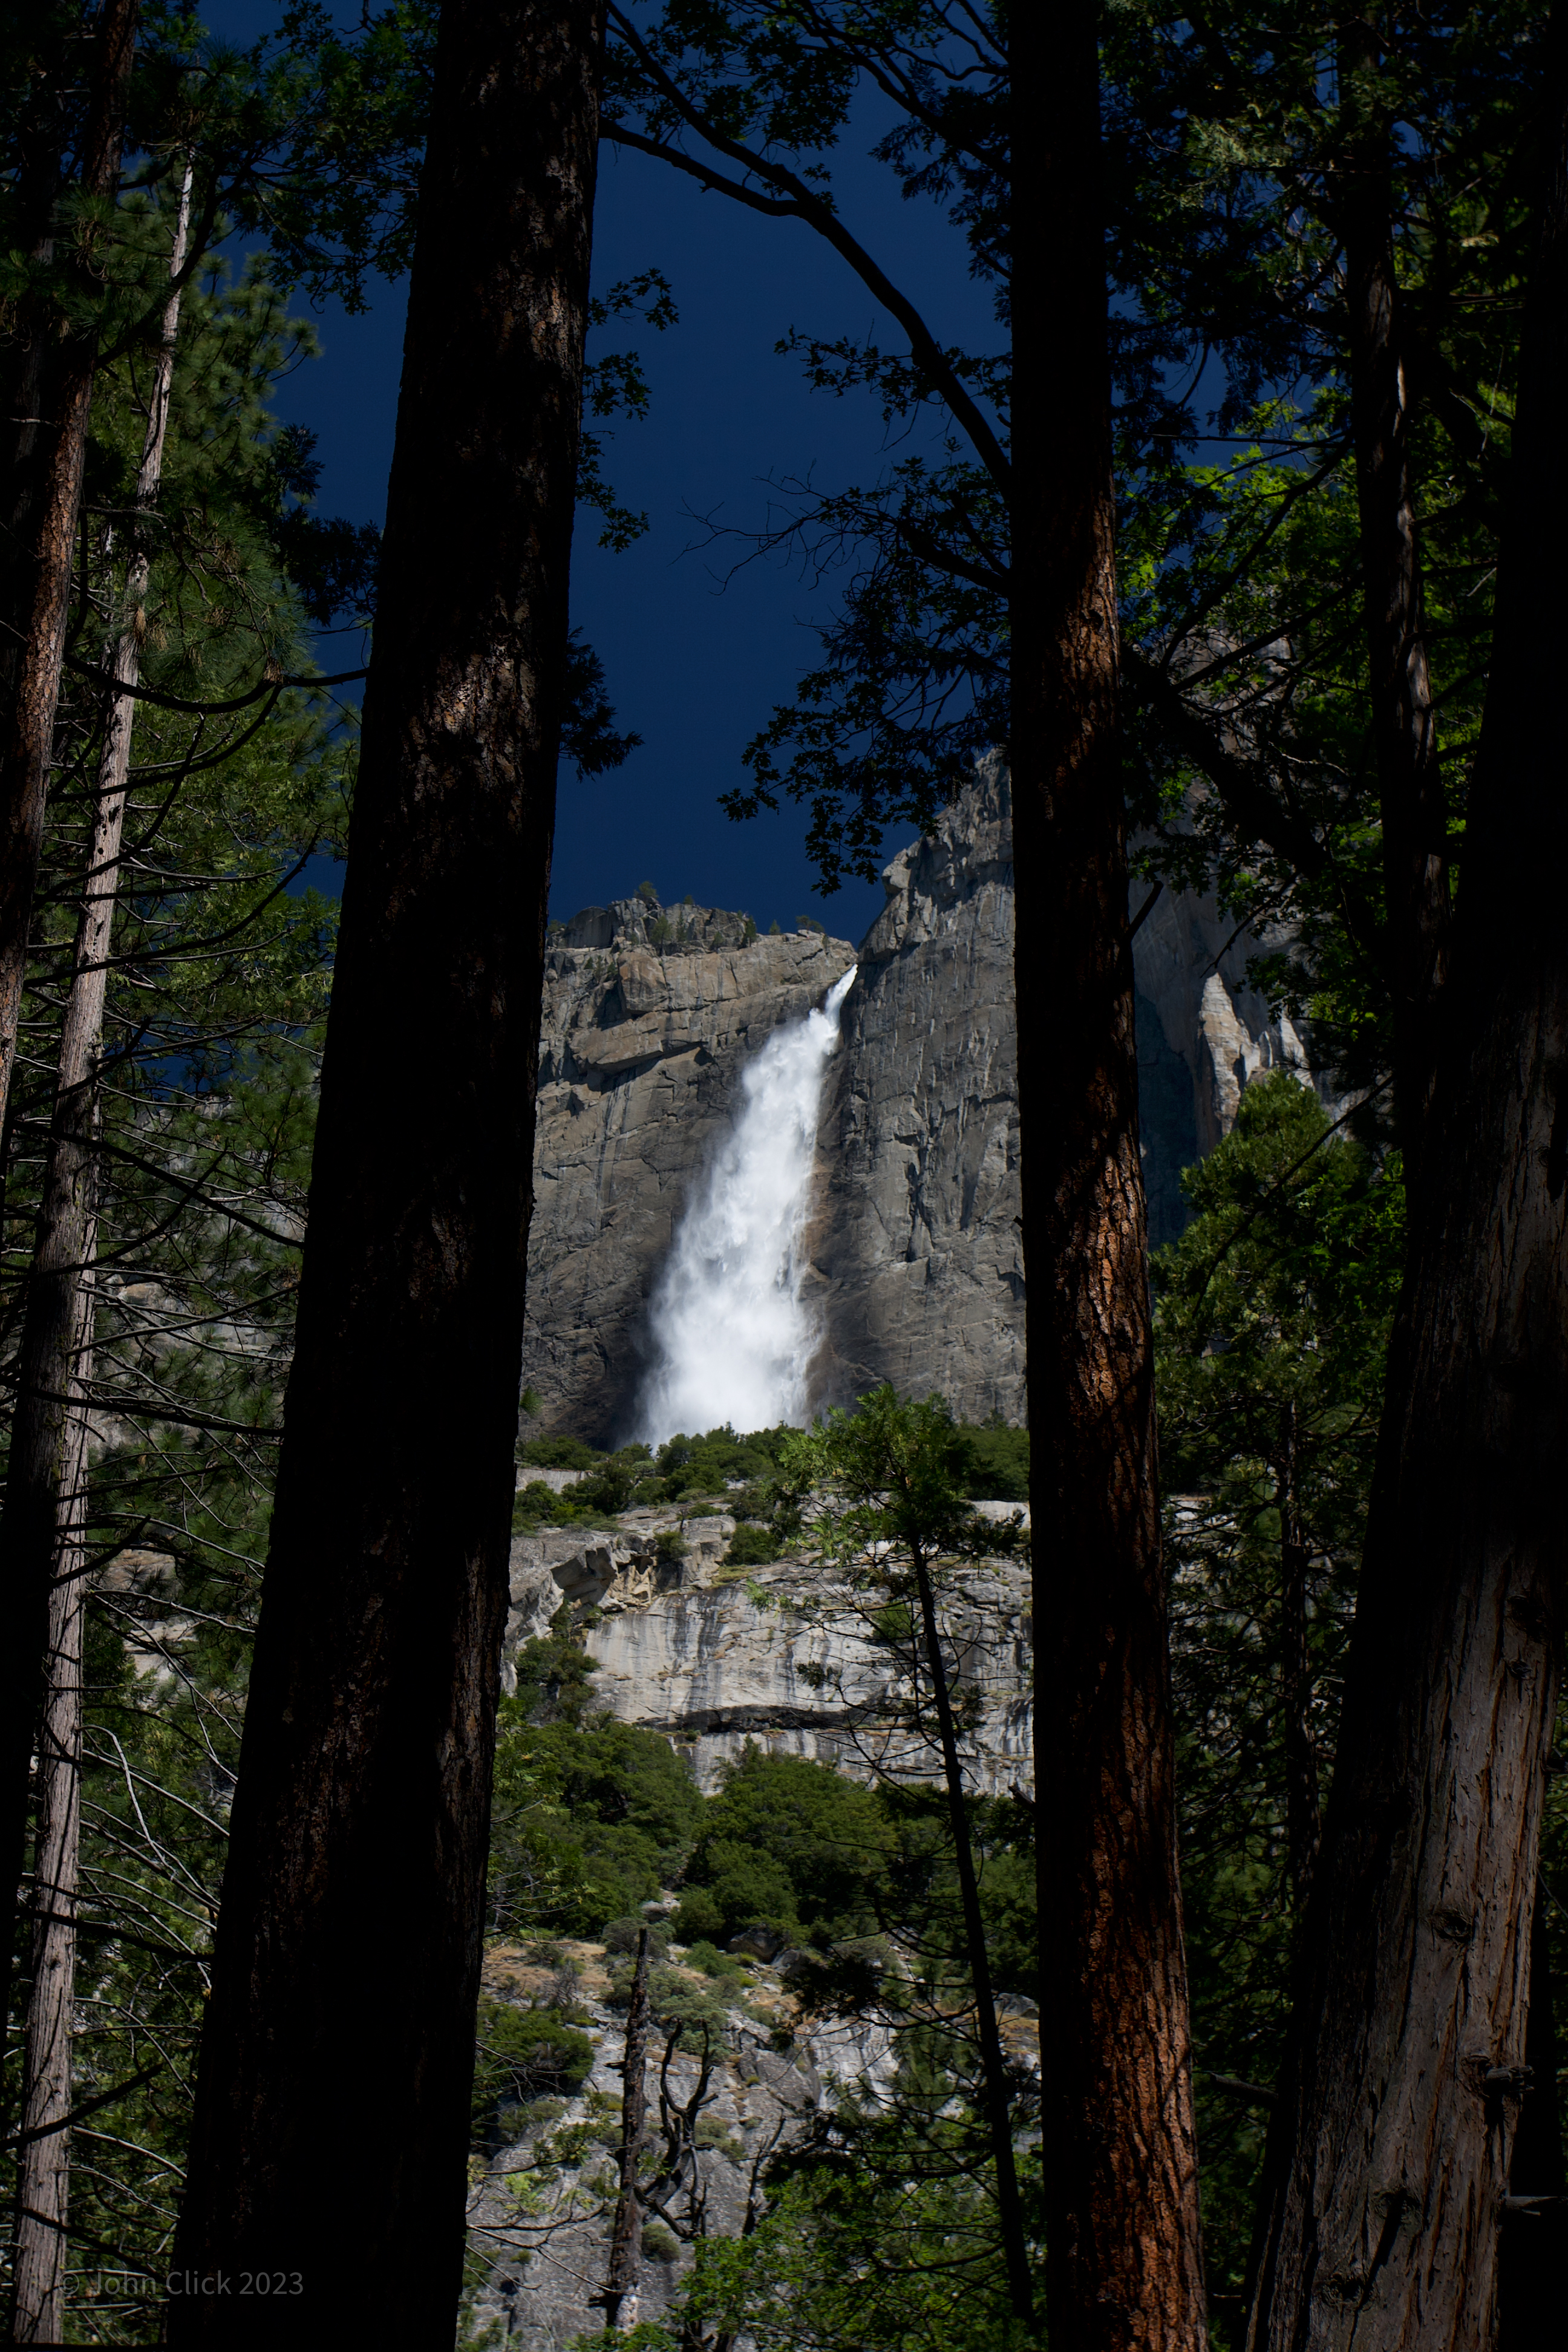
x=556, y=1454
x=753, y=1547
x=786, y=1844
x=524, y=2055
x=995, y=1462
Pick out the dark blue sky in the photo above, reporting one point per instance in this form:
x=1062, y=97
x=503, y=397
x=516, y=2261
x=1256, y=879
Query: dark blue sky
x=693, y=665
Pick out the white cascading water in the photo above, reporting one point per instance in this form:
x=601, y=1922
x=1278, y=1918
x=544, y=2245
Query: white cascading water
x=735, y=1341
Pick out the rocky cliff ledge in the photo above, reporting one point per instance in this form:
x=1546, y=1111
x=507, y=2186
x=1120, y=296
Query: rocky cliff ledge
x=712, y=1657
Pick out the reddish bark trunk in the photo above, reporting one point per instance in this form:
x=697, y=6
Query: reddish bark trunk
x=1391, y=2153
x=349, y=1942
x=1121, y=2204
x=1302, y=1823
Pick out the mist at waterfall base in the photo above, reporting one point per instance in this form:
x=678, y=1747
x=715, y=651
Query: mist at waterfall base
x=733, y=1340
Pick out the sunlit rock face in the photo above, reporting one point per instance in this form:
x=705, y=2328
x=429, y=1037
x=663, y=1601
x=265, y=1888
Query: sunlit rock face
x=1205, y=1032
x=918, y=1249
x=913, y=1265
x=641, y=1053
x=777, y=1656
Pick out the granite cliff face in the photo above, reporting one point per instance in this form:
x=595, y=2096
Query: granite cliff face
x=1204, y=1033
x=641, y=1051
x=914, y=1271
x=916, y=1249
x=712, y=1659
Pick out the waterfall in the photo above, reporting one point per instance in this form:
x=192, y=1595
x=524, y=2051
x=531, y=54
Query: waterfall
x=734, y=1342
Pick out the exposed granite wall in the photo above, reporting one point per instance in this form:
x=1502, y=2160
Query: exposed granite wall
x=915, y=1267
x=641, y=1054
x=917, y=1251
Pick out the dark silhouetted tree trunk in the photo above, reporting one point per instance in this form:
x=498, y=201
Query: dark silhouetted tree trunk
x=331, y=2133
x=63, y=384
x=1391, y=2153
x=994, y=2064
x=42, y=1420
x=1532, y=2316
x=1403, y=724
x=43, y=2169
x=1302, y=1826
x=626, y=2232
x=1124, y=2259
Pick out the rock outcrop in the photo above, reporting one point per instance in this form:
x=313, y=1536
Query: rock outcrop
x=915, y=1270
x=1204, y=1033
x=713, y=1658
x=710, y=1657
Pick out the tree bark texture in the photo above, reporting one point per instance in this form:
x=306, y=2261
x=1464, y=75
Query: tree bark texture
x=42, y=1420
x=1010, y=2211
x=46, y=559
x=1397, y=2114
x=626, y=2232
x=1124, y=2257
x=362, y=1812
x=1532, y=2314
x=43, y=2171
x=1302, y=1823
x=1411, y=799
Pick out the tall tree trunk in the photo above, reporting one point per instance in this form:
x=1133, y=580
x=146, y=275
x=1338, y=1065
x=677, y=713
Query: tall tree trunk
x=43, y=2170
x=1390, y=2150
x=46, y=558
x=1302, y=1826
x=1403, y=724
x=1121, y=2198
x=361, y=1814
x=626, y=2232
x=1531, y=2317
x=1010, y=2211
x=42, y=1418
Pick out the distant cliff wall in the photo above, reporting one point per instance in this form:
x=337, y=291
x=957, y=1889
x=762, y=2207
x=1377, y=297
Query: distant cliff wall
x=641, y=1051
x=916, y=1252
x=915, y=1268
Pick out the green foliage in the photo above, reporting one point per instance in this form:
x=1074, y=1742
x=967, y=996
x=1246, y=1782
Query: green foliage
x=1271, y=1323
x=623, y=1935
x=1273, y=1314
x=647, y=894
x=590, y=1817
x=712, y=1961
x=523, y=2055
x=752, y=1546
x=659, y=2243
x=786, y=1844
x=710, y=1465
x=996, y=1462
x=557, y=1454
x=774, y=931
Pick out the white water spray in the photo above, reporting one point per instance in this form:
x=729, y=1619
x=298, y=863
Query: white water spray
x=735, y=1341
